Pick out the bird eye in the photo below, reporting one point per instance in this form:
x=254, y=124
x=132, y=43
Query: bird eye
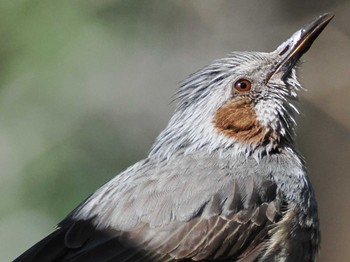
x=242, y=85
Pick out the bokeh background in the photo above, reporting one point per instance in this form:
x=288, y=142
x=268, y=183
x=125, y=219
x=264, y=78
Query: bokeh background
x=85, y=87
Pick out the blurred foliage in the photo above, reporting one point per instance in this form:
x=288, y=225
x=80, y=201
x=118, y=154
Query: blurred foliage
x=57, y=143
x=48, y=49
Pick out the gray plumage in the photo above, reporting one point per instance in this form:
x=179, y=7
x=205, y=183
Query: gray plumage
x=209, y=189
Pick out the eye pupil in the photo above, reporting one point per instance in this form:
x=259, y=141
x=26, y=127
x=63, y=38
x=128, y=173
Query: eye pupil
x=242, y=85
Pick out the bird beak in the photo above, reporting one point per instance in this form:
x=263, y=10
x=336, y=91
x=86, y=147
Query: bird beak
x=298, y=44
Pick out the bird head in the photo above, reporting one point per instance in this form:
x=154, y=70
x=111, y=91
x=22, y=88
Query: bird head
x=242, y=102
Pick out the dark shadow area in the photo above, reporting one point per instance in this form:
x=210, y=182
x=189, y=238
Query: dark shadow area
x=326, y=146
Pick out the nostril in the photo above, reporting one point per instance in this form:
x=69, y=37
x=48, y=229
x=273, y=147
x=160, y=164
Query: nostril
x=284, y=50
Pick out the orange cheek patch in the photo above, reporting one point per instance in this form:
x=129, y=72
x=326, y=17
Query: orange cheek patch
x=237, y=119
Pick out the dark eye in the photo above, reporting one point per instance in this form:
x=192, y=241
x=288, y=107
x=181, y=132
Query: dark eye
x=242, y=85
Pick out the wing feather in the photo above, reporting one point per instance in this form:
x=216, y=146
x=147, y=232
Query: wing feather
x=200, y=208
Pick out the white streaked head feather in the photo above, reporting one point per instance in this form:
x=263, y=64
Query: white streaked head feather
x=200, y=96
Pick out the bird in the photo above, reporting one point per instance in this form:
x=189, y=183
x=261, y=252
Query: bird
x=224, y=181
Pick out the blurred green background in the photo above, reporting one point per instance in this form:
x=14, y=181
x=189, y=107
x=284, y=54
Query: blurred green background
x=85, y=87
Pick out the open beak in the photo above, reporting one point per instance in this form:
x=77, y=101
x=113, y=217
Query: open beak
x=298, y=44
